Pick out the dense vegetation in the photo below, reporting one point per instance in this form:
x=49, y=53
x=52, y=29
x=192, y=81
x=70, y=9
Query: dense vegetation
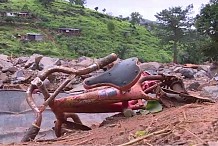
x=193, y=40
x=175, y=36
x=101, y=34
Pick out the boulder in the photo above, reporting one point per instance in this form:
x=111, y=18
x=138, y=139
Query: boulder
x=67, y=63
x=211, y=90
x=201, y=73
x=21, y=76
x=34, y=59
x=35, y=66
x=165, y=71
x=177, y=69
x=5, y=65
x=47, y=62
x=213, y=69
x=20, y=60
x=150, y=66
x=12, y=69
x=204, y=67
x=194, y=86
x=4, y=57
x=3, y=77
x=19, y=73
x=84, y=61
x=187, y=72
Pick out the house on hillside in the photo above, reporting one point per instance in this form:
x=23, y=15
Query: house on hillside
x=70, y=31
x=23, y=14
x=14, y=14
x=11, y=14
x=34, y=37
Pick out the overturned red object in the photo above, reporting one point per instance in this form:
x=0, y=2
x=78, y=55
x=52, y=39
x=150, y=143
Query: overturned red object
x=123, y=86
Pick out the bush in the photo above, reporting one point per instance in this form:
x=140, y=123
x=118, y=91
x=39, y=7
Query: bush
x=110, y=26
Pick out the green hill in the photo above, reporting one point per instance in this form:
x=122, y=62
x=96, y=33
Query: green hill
x=101, y=34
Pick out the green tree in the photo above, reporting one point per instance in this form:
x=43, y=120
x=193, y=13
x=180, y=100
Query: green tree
x=191, y=47
x=96, y=8
x=174, y=23
x=135, y=18
x=78, y=2
x=207, y=24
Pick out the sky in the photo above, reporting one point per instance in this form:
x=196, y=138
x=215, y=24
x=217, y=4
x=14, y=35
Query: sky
x=147, y=8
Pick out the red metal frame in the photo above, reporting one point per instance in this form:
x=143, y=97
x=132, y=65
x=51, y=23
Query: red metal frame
x=96, y=100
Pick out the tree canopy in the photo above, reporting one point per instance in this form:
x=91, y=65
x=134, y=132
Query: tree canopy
x=175, y=23
x=207, y=24
x=78, y=2
x=135, y=17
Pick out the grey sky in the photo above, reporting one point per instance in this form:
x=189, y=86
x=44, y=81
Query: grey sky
x=147, y=8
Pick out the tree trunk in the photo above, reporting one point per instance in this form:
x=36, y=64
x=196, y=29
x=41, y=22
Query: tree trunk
x=175, y=52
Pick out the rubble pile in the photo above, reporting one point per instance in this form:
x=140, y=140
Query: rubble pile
x=17, y=73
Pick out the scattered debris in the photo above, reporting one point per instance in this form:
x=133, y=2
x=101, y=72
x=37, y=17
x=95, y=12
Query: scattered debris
x=19, y=72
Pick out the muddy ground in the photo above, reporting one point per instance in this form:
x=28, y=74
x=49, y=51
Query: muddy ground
x=190, y=124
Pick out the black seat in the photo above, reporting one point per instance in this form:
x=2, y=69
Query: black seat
x=122, y=76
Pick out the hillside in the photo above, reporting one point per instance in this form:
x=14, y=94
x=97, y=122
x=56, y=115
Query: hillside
x=95, y=39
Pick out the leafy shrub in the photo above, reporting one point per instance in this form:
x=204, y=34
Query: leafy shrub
x=110, y=26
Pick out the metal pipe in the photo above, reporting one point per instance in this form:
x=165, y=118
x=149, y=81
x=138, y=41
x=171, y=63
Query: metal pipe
x=38, y=82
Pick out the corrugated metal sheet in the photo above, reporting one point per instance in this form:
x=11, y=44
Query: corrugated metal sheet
x=16, y=116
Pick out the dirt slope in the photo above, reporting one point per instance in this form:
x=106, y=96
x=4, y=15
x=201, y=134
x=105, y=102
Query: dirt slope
x=186, y=125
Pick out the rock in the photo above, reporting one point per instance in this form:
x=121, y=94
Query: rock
x=68, y=63
x=47, y=83
x=19, y=73
x=213, y=69
x=35, y=58
x=18, y=80
x=35, y=66
x=20, y=60
x=150, y=66
x=212, y=90
x=177, y=69
x=152, y=72
x=12, y=69
x=84, y=61
x=215, y=78
x=165, y=71
x=47, y=62
x=3, y=77
x=204, y=67
x=194, y=86
x=128, y=113
x=201, y=73
x=4, y=57
x=187, y=72
x=21, y=76
x=5, y=65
